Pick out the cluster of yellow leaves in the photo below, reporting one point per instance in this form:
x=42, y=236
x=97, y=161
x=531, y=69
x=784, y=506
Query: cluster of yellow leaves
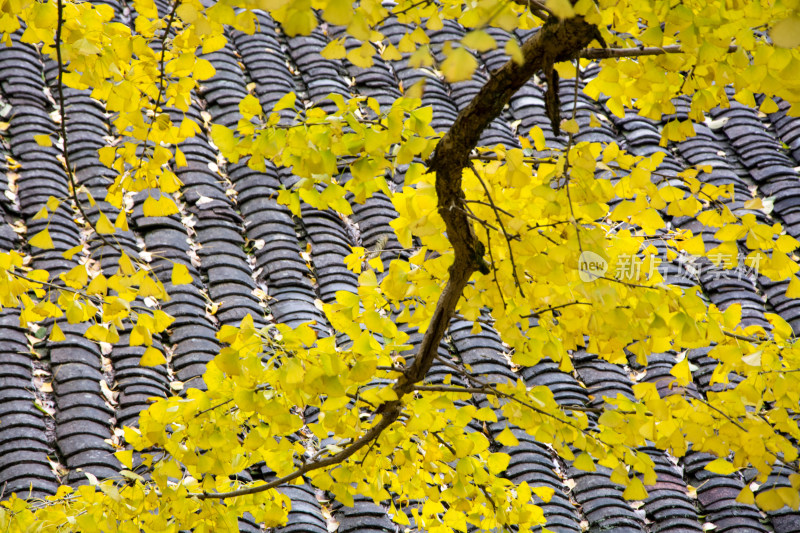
x=704, y=31
x=317, y=148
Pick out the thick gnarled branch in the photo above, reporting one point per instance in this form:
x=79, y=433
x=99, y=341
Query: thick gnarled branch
x=556, y=41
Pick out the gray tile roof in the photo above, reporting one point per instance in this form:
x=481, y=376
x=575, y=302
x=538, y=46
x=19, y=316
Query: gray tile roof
x=246, y=252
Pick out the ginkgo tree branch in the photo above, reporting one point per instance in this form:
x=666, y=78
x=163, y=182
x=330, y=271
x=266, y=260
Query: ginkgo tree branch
x=537, y=312
x=606, y=53
x=746, y=338
x=556, y=41
x=490, y=391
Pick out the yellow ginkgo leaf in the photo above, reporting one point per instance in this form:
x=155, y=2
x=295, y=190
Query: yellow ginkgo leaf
x=362, y=56
x=150, y=287
x=96, y=332
x=52, y=203
x=479, y=40
x=72, y=251
x=250, y=106
x=720, y=466
x=152, y=357
x=390, y=53
x=768, y=106
x=168, y=182
x=122, y=221
x=139, y=336
x=56, y=335
x=754, y=203
x=126, y=267
x=99, y=285
x=786, y=33
x=103, y=225
x=107, y=155
x=213, y=42
x=224, y=138
x=162, y=207
x=570, y=126
x=203, y=69
x=180, y=275
x=339, y=12
x=286, y=102
x=125, y=457
x=42, y=240
x=770, y=500
x=76, y=277
x=41, y=214
x=746, y=496
x=561, y=8
x=793, y=290
x=43, y=140
x=161, y=320
x=180, y=158
x=507, y=438
x=459, y=65
x=682, y=372
x=299, y=21
x=584, y=462
x=635, y=490
x=514, y=51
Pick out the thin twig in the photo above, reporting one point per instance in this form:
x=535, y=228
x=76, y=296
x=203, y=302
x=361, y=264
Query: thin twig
x=494, y=269
x=63, y=125
x=606, y=53
x=355, y=398
x=745, y=338
x=536, y=313
x=627, y=283
x=731, y=420
x=487, y=204
x=260, y=388
x=409, y=8
x=779, y=371
x=526, y=159
x=491, y=391
x=444, y=443
x=502, y=227
x=95, y=300
x=161, y=77
x=468, y=212
x=372, y=445
x=390, y=368
x=479, y=320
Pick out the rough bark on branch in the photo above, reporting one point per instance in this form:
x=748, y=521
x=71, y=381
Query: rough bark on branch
x=605, y=53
